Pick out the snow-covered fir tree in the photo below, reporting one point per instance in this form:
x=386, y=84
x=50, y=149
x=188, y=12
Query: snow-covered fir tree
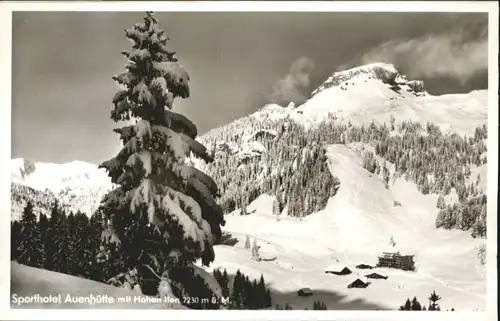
x=163, y=212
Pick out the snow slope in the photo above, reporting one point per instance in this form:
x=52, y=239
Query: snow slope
x=354, y=228
x=27, y=281
x=57, y=177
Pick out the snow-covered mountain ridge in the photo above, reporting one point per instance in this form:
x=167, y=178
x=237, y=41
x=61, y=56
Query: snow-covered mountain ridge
x=78, y=186
x=360, y=95
x=374, y=92
x=386, y=73
x=58, y=177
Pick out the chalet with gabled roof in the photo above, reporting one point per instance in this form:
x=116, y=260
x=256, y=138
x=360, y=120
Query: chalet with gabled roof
x=358, y=283
x=376, y=276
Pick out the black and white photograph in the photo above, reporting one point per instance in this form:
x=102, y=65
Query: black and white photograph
x=251, y=160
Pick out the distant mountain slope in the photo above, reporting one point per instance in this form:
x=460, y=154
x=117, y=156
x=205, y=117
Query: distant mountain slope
x=76, y=185
x=58, y=177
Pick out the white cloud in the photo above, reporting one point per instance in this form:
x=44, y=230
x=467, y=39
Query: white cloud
x=290, y=88
x=454, y=55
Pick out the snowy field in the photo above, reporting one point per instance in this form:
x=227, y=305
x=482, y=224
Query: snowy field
x=27, y=281
x=354, y=228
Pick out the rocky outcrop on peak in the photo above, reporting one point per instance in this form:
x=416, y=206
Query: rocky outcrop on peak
x=416, y=85
x=381, y=71
x=386, y=73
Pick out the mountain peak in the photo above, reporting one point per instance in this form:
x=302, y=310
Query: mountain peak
x=23, y=166
x=384, y=72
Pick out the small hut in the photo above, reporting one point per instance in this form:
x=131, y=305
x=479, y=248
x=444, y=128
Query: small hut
x=305, y=292
x=364, y=266
x=338, y=270
x=358, y=283
x=376, y=276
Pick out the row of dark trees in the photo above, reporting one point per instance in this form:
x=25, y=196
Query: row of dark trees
x=317, y=305
x=414, y=304
x=63, y=243
x=245, y=294
x=71, y=244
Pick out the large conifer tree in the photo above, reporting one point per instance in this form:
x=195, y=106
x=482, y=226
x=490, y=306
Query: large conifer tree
x=94, y=270
x=162, y=207
x=80, y=246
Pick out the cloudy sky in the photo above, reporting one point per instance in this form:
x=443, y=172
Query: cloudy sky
x=63, y=64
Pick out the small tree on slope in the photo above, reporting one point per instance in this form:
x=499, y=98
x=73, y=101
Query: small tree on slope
x=433, y=305
x=255, y=251
x=162, y=207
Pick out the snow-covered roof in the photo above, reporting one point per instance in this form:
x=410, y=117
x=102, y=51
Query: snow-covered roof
x=374, y=273
x=336, y=267
x=362, y=279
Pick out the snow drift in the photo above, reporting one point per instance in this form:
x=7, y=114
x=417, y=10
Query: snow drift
x=28, y=281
